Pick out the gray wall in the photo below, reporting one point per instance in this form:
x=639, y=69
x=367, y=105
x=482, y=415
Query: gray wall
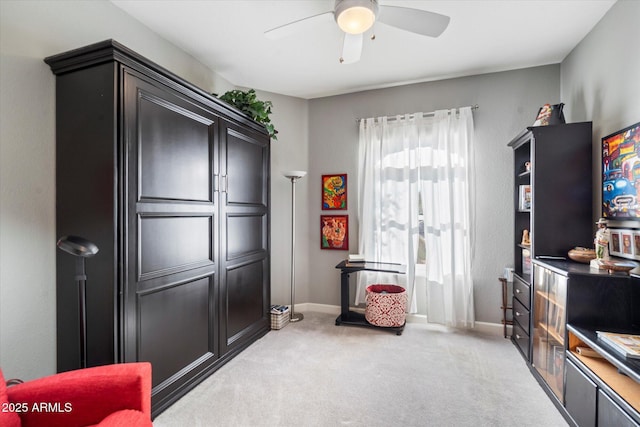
x=601, y=76
x=600, y=80
x=289, y=152
x=508, y=102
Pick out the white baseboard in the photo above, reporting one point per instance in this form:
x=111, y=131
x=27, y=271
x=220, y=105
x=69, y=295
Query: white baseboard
x=482, y=327
x=319, y=308
x=492, y=328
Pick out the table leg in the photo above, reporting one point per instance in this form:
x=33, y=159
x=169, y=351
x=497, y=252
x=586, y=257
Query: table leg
x=344, y=295
x=504, y=307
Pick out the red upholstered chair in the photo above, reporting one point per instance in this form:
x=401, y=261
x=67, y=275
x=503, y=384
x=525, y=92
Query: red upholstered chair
x=112, y=395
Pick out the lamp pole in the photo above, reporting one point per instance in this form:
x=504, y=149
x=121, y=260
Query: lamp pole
x=81, y=248
x=294, y=176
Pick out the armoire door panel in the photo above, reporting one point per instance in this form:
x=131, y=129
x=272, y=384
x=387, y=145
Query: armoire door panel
x=245, y=234
x=245, y=169
x=244, y=297
x=174, y=242
x=174, y=151
x=172, y=160
x=174, y=327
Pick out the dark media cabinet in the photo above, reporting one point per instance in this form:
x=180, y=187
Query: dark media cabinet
x=172, y=185
x=599, y=390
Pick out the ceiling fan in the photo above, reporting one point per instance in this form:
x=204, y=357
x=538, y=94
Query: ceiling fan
x=355, y=17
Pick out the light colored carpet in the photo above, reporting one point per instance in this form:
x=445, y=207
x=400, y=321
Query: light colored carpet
x=313, y=373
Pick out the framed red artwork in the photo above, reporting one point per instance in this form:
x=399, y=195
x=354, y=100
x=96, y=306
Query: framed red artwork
x=334, y=192
x=334, y=232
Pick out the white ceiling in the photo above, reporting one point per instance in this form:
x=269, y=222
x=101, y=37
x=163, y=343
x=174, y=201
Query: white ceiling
x=483, y=36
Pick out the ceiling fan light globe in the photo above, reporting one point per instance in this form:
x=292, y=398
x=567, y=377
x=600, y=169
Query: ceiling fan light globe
x=356, y=20
x=355, y=16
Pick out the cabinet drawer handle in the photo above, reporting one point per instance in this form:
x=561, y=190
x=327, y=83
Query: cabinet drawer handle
x=517, y=291
x=518, y=313
x=518, y=337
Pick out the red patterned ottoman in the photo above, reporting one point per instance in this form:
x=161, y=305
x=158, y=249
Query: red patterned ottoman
x=386, y=305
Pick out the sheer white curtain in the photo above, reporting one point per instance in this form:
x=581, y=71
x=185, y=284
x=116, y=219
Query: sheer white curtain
x=388, y=200
x=403, y=161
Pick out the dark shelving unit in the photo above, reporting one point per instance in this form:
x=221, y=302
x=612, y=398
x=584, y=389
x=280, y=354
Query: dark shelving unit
x=555, y=163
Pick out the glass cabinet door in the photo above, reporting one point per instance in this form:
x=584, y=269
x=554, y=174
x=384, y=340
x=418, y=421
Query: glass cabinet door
x=550, y=293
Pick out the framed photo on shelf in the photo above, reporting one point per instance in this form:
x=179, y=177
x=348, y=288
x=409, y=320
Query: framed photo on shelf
x=524, y=199
x=636, y=244
x=334, y=232
x=625, y=243
x=614, y=243
x=627, y=249
x=334, y=192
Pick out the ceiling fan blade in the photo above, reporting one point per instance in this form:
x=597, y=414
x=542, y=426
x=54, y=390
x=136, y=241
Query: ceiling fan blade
x=296, y=26
x=351, y=48
x=414, y=20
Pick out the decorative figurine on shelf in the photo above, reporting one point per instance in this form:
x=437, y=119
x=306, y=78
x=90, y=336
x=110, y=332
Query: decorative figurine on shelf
x=550, y=115
x=601, y=240
x=526, y=238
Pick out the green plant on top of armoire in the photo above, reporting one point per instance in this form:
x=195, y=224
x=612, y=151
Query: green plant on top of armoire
x=248, y=102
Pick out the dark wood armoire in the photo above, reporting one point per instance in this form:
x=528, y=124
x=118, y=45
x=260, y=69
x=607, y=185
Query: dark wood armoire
x=172, y=185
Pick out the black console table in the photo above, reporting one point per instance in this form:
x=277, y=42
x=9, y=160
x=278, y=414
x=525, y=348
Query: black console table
x=353, y=318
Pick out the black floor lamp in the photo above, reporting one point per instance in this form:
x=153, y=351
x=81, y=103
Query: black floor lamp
x=82, y=249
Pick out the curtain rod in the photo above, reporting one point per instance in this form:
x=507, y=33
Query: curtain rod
x=432, y=113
